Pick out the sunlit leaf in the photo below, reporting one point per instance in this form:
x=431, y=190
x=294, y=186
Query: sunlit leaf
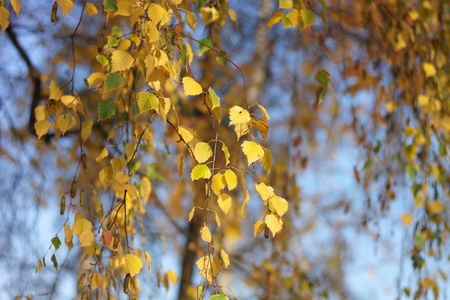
x=202, y=152
x=191, y=87
x=200, y=171
x=224, y=202
x=253, y=151
x=274, y=223
x=205, y=234
x=133, y=264
x=66, y=6
x=121, y=61
x=231, y=179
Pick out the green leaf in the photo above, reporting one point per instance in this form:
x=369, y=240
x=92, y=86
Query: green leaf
x=286, y=22
x=219, y=297
x=56, y=242
x=368, y=164
x=112, y=41
x=102, y=60
x=146, y=101
x=215, y=100
x=200, y=171
x=110, y=5
x=106, y=109
x=55, y=262
x=322, y=77
x=113, y=81
x=202, y=49
x=308, y=17
x=412, y=172
x=221, y=60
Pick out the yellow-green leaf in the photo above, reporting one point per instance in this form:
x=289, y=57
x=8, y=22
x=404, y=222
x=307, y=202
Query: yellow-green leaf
x=191, y=87
x=121, y=61
x=82, y=225
x=253, y=151
x=285, y=4
x=202, y=152
x=133, y=264
x=200, y=171
x=191, y=20
x=226, y=153
x=86, y=129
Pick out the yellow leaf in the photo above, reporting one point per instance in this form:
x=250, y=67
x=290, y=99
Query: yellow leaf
x=407, y=219
x=16, y=6
x=173, y=277
x=146, y=188
x=42, y=127
x=274, y=223
x=231, y=179
x=155, y=13
x=216, y=217
x=253, y=151
x=121, y=178
x=436, y=207
x=202, y=152
x=66, y=6
x=191, y=87
x=239, y=115
x=225, y=258
x=40, y=113
x=224, y=202
x=209, y=267
x=205, y=234
x=121, y=61
x=133, y=264
x=263, y=109
x=200, y=171
x=258, y=227
x=82, y=225
x=233, y=16
x=69, y=101
x=285, y=4
x=99, y=281
x=106, y=177
x=429, y=69
x=104, y=153
x=423, y=100
x=391, y=106
x=180, y=165
x=191, y=20
x=91, y=10
x=86, y=238
x=218, y=183
x=55, y=92
x=185, y=134
x=266, y=192
x=267, y=161
x=4, y=18
x=191, y=214
x=69, y=236
x=244, y=204
x=226, y=153
x=279, y=205
x=86, y=129
x=95, y=78
x=276, y=17
x=65, y=122
x=209, y=15
x=124, y=8
x=39, y=266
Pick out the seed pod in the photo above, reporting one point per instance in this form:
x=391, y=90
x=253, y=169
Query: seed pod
x=73, y=189
x=43, y=262
x=54, y=11
x=116, y=240
x=266, y=232
x=84, y=161
x=62, y=206
x=126, y=284
x=82, y=198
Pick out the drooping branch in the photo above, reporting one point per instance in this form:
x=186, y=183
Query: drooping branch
x=34, y=74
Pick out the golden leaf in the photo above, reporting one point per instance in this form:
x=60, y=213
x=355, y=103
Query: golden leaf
x=16, y=6
x=69, y=236
x=218, y=183
x=205, y=234
x=86, y=129
x=202, y=152
x=191, y=214
x=209, y=267
x=42, y=127
x=69, y=101
x=66, y=6
x=429, y=69
x=82, y=225
x=225, y=258
x=267, y=160
x=91, y=10
x=121, y=61
x=155, y=13
x=231, y=179
x=265, y=191
x=55, y=92
x=146, y=188
x=274, y=223
x=86, y=238
x=224, y=202
x=173, y=277
x=253, y=151
x=106, y=177
x=279, y=205
x=191, y=87
x=124, y=8
x=406, y=219
x=209, y=15
x=191, y=20
x=4, y=18
x=133, y=264
x=95, y=78
x=285, y=4
x=104, y=153
x=258, y=227
x=436, y=207
x=239, y=115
